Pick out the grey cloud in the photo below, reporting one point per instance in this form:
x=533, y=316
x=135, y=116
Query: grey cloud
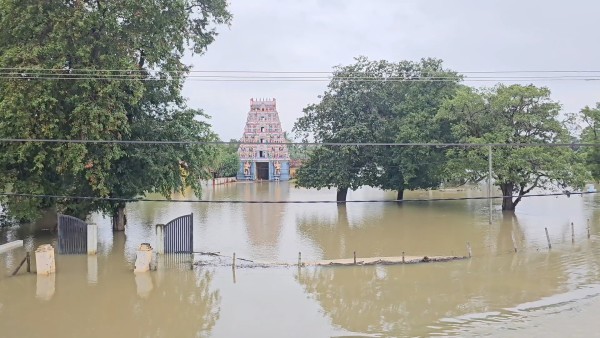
x=290, y=35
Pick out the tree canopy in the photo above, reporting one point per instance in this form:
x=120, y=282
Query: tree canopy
x=377, y=102
x=99, y=70
x=511, y=115
x=588, y=120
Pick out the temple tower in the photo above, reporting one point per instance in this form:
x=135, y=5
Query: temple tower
x=263, y=152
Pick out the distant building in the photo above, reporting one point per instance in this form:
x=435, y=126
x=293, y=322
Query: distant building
x=263, y=153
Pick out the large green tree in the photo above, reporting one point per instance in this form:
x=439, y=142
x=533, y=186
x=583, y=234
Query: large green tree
x=377, y=102
x=98, y=70
x=511, y=115
x=413, y=102
x=346, y=114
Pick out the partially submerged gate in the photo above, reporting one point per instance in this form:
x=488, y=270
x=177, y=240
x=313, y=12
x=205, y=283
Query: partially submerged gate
x=72, y=235
x=179, y=235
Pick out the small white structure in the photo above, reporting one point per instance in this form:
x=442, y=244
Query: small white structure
x=9, y=246
x=92, y=239
x=143, y=258
x=44, y=260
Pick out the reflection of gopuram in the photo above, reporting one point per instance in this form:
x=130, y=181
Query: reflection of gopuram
x=263, y=152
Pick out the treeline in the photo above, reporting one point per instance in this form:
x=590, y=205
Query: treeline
x=423, y=102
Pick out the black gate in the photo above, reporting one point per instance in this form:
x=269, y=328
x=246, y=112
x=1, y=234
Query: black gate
x=179, y=235
x=72, y=235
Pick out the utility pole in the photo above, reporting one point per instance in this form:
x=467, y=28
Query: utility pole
x=490, y=180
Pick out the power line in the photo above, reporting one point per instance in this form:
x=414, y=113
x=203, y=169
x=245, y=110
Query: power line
x=140, y=75
x=118, y=199
x=356, y=144
x=348, y=79
x=245, y=71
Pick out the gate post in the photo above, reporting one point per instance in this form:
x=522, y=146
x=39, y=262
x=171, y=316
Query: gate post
x=160, y=239
x=44, y=260
x=92, y=239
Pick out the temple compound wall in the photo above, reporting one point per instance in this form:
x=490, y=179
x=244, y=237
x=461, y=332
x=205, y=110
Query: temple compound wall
x=263, y=152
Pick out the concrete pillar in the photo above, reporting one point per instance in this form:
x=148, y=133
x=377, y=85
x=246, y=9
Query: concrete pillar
x=44, y=260
x=143, y=258
x=160, y=239
x=92, y=239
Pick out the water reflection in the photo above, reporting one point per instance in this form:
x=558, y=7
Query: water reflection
x=45, y=286
x=263, y=222
x=121, y=304
x=420, y=229
x=404, y=300
x=101, y=296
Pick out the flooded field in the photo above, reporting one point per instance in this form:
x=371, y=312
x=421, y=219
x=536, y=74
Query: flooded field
x=534, y=292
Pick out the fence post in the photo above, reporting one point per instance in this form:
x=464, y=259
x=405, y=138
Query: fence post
x=299, y=259
x=469, y=249
x=588, y=227
x=160, y=239
x=548, y=238
x=143, y=258
x=572, y=233
x=92, y=239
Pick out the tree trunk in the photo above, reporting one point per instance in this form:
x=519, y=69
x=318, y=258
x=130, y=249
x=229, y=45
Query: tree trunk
x=119, y=218
x=400, y=196
x=507, y=201
x=341, y=194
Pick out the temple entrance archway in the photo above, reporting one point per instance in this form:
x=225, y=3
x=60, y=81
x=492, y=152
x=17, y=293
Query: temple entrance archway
x=262, y=170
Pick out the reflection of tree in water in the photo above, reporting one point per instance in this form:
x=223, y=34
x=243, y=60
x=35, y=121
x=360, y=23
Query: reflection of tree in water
x=508, y=227
x=404, y=300
x=417, y=229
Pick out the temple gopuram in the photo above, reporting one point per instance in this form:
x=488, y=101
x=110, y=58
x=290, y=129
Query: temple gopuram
x=263, y=152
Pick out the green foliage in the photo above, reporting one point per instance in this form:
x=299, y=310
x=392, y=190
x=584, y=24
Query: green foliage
x=511, y=114
x=143, y=42
x=377, y=102
x=589, y=119
x=228, y=162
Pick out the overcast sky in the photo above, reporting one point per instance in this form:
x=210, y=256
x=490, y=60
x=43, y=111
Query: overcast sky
x=315, y=35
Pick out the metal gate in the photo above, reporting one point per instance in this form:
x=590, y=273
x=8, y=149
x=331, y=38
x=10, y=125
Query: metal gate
x=179, y=235
x=72, y=235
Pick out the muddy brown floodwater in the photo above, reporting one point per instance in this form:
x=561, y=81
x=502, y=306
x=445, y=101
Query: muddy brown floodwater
x=534, y=292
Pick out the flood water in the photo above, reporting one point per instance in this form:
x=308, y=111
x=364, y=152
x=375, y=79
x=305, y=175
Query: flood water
x=534, y=292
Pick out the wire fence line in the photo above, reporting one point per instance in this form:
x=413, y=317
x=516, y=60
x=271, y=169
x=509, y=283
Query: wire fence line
x=119, y=199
